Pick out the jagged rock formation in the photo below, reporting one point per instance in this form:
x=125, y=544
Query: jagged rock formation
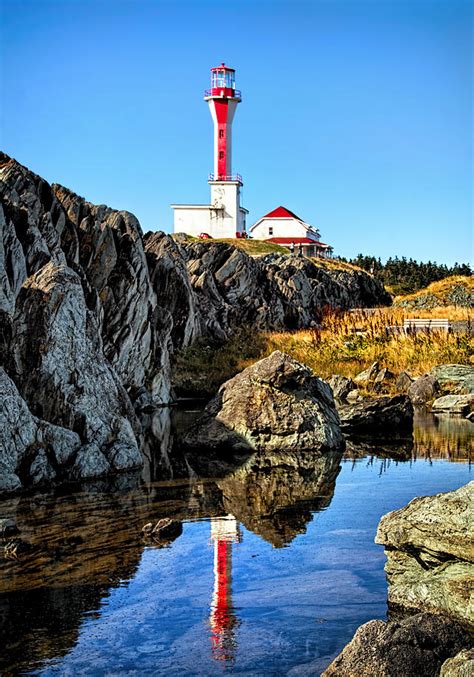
x=91, y=312
x=430, y=554
x=271, y=291
x=276, y=403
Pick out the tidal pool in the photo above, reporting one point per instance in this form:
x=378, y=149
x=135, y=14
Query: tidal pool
x=274, y=570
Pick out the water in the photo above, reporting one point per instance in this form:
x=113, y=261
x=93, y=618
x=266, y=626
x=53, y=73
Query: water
x=274, y=570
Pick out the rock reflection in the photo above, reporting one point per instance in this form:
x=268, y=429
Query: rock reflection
x=434, y=436
x=442, y=436
x=275, y=494
x=83, y=545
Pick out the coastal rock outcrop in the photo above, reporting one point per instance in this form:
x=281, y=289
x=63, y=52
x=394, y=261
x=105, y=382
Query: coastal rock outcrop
x=277, y=403
x=91, y=312
x=269, y=292
x=417, y=645
x=430, y=554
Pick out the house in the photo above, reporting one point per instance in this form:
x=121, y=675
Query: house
x=284, y=227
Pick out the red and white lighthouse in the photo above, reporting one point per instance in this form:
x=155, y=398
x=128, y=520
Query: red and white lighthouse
x=223, y=99
x=224, y=217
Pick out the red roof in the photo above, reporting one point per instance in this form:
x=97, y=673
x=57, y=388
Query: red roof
x=281, y=212
x=222, y=67
x=296, y=240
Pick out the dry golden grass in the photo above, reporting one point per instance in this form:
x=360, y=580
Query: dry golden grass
x=346, y=343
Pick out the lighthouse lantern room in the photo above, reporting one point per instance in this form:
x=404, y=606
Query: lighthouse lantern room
x=224, y=217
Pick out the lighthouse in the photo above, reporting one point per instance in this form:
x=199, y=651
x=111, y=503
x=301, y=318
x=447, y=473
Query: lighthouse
x=224, y=217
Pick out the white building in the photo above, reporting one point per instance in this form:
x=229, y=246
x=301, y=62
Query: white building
x=283, y=227
x=224, y=216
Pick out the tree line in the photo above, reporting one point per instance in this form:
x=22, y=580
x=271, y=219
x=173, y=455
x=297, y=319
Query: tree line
x=406, y=276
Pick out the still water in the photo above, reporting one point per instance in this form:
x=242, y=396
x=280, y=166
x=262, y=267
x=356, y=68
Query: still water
x=274, y=570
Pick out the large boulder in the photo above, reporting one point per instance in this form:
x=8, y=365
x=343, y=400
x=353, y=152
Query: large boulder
x=430, y=554
x=417, y=645
x=423, y=390
x=377, y=415
x=277, y=403
x=454, y=404
x=455, y=378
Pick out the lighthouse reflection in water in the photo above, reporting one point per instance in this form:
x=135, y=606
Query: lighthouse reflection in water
x=225, y=531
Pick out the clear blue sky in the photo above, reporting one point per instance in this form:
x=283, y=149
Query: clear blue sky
x=356, y=115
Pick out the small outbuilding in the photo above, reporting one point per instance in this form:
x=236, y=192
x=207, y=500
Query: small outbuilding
x=284, y=227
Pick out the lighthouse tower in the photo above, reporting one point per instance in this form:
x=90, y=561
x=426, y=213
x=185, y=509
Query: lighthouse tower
x=224, y=217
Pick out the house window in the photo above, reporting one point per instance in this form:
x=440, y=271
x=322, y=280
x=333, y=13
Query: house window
x=270, y=230
x=221, y=133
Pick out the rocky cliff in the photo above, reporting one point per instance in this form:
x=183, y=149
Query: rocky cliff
x=91, y=312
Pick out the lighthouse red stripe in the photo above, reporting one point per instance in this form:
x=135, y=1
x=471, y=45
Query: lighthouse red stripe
x=222, y=111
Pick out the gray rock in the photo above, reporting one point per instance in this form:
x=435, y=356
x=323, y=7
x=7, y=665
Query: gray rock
x=18, y=431
x=417, y=645
x=380, y=415
x=368, y=375
x=462, y=665
x=455, y=378
x=277, y=403
x=403, y=382
x=423, y=390
x=341, y=386
x=63, y=442
x=354, y=396
x=51, y=311
x=454, y=404
x=90, y=463
x=8, y=528
x=41, y=472
x=383, y=380
x=430, y=554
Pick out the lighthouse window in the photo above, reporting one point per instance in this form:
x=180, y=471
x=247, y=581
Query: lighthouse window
x=221, y=155
x=221, y=133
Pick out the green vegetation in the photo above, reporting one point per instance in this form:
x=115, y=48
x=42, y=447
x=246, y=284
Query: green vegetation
x=204, y=366
x=405, y=276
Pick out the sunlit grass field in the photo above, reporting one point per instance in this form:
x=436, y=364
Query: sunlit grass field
x=345, y=343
